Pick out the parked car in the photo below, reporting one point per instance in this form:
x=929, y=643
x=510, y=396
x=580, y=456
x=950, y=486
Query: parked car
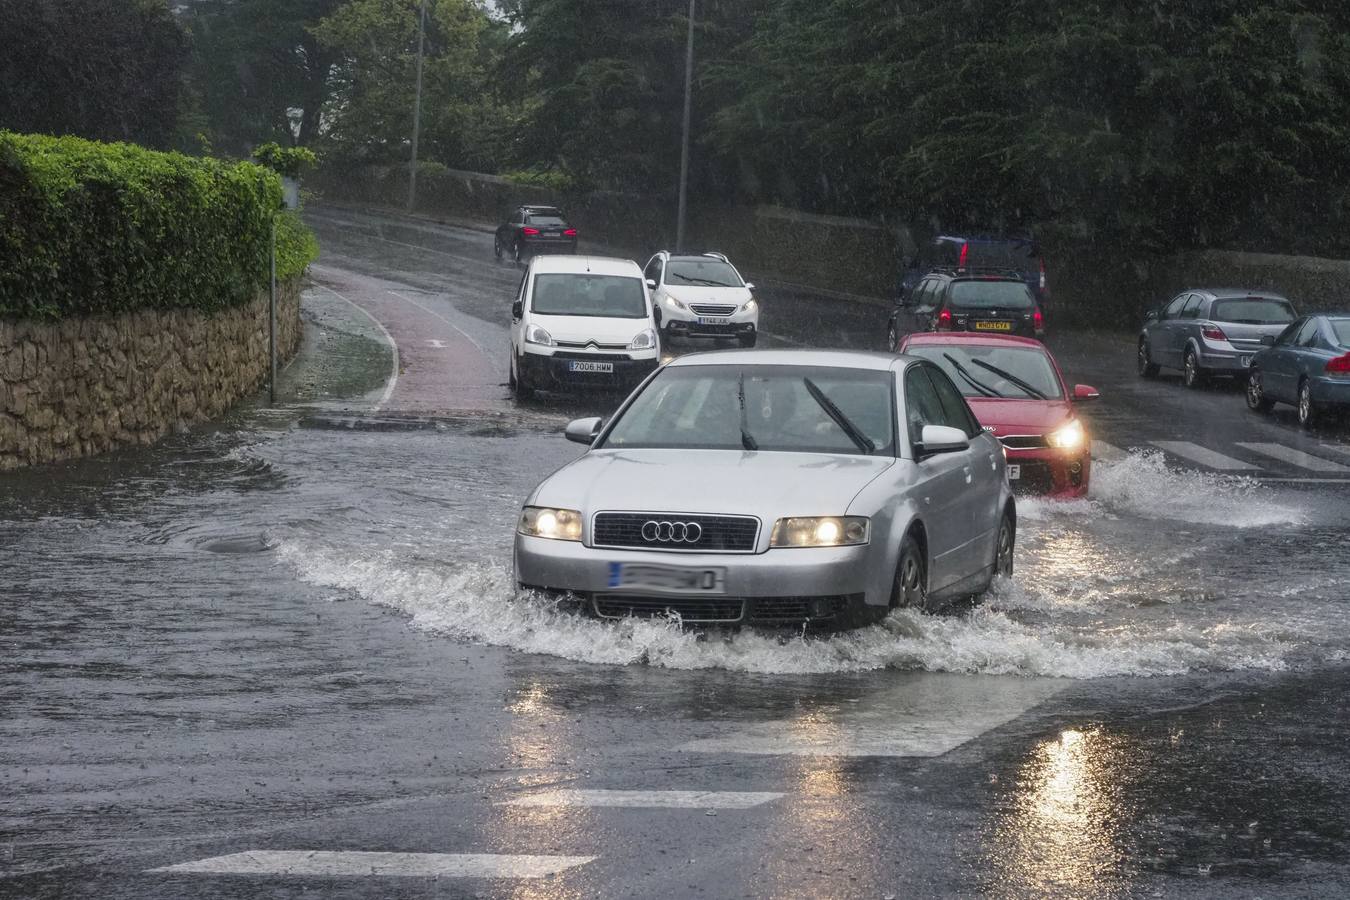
x=702, y=296
x=581, y=321
x=775, y=487
x=1307, y=364
x=1210, y=331
x=960, y=300
x=1017, y=391
x=1017, y=254
x=532, y=230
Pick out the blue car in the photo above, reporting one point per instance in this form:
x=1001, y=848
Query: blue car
x=1308, y=365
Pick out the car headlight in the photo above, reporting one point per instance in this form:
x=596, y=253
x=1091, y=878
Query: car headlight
x=645, y=340
x=536, y=335
x=547, y=522
x=1070, y=437
x=673, y=303
x=820, y=531
x=750, y=305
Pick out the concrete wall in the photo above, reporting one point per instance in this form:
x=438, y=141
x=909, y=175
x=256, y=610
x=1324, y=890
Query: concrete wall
x=83, y=386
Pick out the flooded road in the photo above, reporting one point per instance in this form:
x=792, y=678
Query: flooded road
x=294, y=632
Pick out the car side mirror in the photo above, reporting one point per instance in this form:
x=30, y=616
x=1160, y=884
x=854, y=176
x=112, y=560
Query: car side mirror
x=941, y=439
x=583, y=431
x=1267, y=340
x=651, y=283
x=749, y=286
x=1085, y=392
x=517, y=309
x=1151, y=316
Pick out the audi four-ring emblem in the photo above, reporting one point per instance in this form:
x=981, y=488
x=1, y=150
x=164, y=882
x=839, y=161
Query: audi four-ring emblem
x=664, y=532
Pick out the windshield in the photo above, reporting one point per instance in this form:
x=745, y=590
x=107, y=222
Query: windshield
x=579, y=294
x=971, y=368
x=707, y=272
x=1253, y=311
x=990, y=295
x=769, y=408
x=545, y=220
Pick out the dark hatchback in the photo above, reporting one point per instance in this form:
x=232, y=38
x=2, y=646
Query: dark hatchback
x=534, y=230
x=960, y=300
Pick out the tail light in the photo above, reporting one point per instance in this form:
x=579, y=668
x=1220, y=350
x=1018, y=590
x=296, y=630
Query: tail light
x=1038, y=320
x=529, y=232
x=1213, y=332
x=571, y=232
x=1339, y=366
x=965, y=249
x=944, y=322
x=1042, y=275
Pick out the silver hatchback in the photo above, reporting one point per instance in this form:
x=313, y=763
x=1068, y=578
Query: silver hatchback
x=1210, y=331
x=775, y=487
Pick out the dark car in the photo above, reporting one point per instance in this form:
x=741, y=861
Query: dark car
x=1210, y=331
x=961, y=300
x=1307, y=365
x=1011, y=254
x=533, y=230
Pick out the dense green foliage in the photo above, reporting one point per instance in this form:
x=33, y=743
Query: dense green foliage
x=91, y=228
x=290, y=162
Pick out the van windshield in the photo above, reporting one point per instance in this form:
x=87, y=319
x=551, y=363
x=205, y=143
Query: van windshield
x=582, y=294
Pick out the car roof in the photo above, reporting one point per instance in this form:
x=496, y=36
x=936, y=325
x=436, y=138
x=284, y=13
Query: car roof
x=973, y=337
x=843, y=359
x=1229, y=293
x=582, y=265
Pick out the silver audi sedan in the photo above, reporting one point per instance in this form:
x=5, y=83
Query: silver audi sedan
x=775, y=487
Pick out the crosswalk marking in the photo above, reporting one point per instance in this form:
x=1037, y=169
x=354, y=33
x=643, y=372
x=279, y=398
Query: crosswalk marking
x=1103, y=450
x=1296, y=457
x=647, y=799
x=353, y=863
x=1337, y=448
x=1204, y=456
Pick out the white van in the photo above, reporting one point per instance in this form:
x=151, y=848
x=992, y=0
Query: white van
x=579, y=322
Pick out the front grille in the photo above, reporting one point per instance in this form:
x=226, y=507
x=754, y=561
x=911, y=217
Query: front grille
x=711, y=309
x=584, y=344
x=593, y=357
x=781, y=610
x=689, y=609
x=1024, y=441
x=718, y=534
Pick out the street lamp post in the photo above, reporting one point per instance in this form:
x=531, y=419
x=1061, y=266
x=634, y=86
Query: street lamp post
x=417, y=109
x=684, y=140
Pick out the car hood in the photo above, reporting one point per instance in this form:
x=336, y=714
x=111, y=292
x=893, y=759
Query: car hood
x=764, y=484
x=702, y=293
x=580, y=329
x=1020, y=416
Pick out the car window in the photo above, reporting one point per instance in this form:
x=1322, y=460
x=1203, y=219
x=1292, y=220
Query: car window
x=1174, y=308
x=956, y=413
x=1341, y=329
x=1253, y=311
x=1287, y=336
x=653, y=270
x=922, y=404
x=1192, y=307
x=580, y=294
x=704, y=272
x=545, y=220
x=923, y=293
x=981, y=370
x=1307, y=335
x=982, y=294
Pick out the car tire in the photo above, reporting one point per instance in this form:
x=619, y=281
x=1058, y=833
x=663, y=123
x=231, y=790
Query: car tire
x=517, y=253
x=1191, y=374
x=517, y=384
x=1146, y=366
x=747, y=340
x=1005, y=545
x=1257, y=401
x=910, y=587
x=497, y=246
x=892, y=337
x=1308, y=413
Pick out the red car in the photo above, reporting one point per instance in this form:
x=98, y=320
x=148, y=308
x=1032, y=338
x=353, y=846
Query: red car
x=1015, y=389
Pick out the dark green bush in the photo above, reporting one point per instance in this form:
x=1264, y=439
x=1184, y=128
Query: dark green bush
x=91, y=228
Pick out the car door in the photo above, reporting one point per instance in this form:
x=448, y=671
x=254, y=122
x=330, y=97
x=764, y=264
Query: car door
x=518, y=316
x=1280, y=364
x=940, y=482
x=1311, y=353
x=983, y=487
x=1182, y=329
x=909, y=313
x=1156, y=332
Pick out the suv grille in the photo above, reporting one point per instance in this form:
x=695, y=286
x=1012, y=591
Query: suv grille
x=725, y=534
x=707, y=309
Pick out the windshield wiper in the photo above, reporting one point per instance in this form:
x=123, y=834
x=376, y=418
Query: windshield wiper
x=980, y=386
x=747, y=441
x=863, y=442
x=687, y=280
x=1010, y=377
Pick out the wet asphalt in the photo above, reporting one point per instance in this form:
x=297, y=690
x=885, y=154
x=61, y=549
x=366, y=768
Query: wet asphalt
x=292, y=630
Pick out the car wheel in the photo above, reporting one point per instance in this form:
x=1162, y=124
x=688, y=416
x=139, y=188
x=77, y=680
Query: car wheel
x=1307, y=410
x=1004, y=547
x=747, y=340
x=497, y=246
x=517, y=383
x=1147, y=367
x=911, y=577
x=517, y=253
x=1257, y=401
x=892, y=337
x=1191, y=375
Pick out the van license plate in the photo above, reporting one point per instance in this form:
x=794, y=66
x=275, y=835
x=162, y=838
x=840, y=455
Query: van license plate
x=993, y=326
x=667, y=579
x=1014, y=473
x=712, y=320
x=581, y=366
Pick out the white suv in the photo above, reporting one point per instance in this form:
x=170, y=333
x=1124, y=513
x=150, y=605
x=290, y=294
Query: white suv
x=702, y=295
x=581, y=321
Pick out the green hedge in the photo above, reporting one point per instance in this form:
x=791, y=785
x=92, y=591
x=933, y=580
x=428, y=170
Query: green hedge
x=91, y=228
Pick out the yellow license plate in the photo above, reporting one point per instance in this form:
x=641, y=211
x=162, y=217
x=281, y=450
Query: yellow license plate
x=993, y=326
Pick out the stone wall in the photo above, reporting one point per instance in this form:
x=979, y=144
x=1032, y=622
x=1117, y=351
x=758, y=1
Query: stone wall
x=82, y=386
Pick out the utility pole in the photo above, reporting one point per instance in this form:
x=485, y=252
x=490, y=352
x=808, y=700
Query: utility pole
x=417, y=109
x=684, y=141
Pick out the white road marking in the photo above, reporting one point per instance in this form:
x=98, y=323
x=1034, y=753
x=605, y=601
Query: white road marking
x=647, y=799
x=393, y=345
x=1105, y=451
x=361, y=863
x=1204, y=456
x=432, y=312
x=439, y=345
x=1336, y=448
x=1296, y=457
x=928, y=716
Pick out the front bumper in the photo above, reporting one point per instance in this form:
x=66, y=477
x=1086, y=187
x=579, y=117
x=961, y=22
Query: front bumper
x=553, y=372
x=695, y=329
x=1051, y=472
x=783, y=585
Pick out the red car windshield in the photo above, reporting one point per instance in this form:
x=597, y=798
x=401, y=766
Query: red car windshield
x=981, y=370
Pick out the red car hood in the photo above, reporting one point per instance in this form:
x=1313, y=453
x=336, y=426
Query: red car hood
x=1020, y=416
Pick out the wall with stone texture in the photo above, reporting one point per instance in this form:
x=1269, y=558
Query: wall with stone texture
x=85, y=385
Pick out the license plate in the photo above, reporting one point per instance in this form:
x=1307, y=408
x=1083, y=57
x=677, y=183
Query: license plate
x=993, y=326
x=712, y=320
x=667, y=579
x=1014, y=473
x=581, y=366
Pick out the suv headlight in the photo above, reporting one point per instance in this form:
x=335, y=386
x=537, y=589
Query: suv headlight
x=645, y=340
x=1069, y=437
x=750, y=305
x=674, y=304
x=536, y=335
x=820, y=531
x=547, y=522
